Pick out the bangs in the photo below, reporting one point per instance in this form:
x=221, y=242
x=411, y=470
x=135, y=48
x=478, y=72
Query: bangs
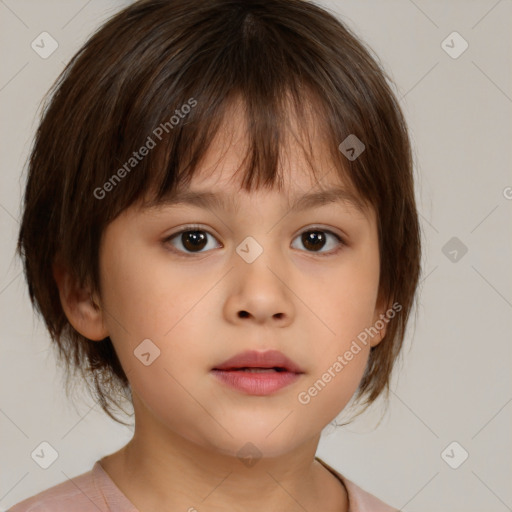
x=284, y=126
x=160, y=109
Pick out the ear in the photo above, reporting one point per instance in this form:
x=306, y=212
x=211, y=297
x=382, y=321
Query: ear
x=380, y=320
x=82, y=310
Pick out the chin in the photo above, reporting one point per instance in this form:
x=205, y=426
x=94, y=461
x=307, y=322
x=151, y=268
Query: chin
x=250, y=442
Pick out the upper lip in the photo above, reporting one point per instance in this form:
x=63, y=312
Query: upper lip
x=255, y=359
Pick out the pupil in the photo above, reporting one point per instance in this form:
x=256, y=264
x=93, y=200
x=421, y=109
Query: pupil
x=193, y=240
x=313, y=240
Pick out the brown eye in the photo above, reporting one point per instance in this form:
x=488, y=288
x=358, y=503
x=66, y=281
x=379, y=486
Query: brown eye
x=189, y=240
x=193, y=240
x=314, y=240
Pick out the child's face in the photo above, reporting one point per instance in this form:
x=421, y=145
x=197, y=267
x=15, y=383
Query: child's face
x=308, y=306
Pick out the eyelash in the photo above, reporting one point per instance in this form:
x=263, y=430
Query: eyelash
x=186, y=229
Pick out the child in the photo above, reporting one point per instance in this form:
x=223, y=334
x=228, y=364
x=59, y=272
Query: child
x=220, y=225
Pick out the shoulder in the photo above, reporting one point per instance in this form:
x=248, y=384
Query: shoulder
x=362, y=501
x=77, y=493
x=359, y=500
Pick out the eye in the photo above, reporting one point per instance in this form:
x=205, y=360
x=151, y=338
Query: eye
x=315, y=239
x=193, y=239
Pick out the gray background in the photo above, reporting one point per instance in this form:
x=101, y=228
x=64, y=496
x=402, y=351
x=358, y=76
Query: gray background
x=454, y=381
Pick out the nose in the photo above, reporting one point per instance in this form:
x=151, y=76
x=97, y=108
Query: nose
x=259, y=294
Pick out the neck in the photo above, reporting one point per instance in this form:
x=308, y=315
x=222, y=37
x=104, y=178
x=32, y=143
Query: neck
x=171, y=470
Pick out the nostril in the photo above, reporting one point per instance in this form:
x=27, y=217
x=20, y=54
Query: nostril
x=243, y=314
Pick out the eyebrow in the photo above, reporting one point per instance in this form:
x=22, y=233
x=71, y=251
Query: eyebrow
x=220, y=200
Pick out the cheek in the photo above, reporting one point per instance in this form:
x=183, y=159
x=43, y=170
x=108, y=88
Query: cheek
x=327, y=393
x=146, y=298
x=346, y=308
x=143, y=293
x=340, y=361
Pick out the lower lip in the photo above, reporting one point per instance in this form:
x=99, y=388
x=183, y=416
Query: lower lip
x=256, y=383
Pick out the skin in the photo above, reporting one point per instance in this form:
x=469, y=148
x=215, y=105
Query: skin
x=189, y=426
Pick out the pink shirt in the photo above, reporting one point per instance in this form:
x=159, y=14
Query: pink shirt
x=95, y=491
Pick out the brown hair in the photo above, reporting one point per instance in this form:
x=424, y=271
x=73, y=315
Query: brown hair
x=136, y=74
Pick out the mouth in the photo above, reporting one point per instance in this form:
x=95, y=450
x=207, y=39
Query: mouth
x=255, y=370
x=258, y=373
x=257, y=362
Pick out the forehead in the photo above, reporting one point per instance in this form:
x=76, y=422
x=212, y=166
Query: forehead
x=307, y=176
x=295, y=199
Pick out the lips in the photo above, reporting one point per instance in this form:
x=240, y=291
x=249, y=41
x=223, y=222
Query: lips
x=258, y=373
x=268, y=360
